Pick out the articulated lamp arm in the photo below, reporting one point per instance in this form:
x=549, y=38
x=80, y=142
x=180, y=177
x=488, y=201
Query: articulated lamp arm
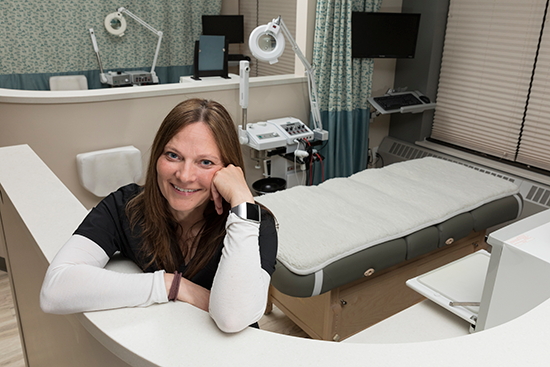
x=310, y=73
x=158, y=33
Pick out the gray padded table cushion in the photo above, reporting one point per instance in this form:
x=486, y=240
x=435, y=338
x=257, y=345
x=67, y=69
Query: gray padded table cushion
x=390, y=253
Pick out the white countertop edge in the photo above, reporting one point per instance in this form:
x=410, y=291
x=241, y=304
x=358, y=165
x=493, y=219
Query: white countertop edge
x=111, y=94
x=166, y=335
x=131, y=357
x=36, y=182
x=176, y=333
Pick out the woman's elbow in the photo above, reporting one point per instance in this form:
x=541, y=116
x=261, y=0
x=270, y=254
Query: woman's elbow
x=47, y=302
x=231, y=325
x=235, y=322
x=51, y=302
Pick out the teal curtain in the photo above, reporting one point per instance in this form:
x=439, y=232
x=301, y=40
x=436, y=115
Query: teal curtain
x=40, y=39
x=344, y=84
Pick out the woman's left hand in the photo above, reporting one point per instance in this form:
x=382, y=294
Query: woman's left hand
x=229, y=184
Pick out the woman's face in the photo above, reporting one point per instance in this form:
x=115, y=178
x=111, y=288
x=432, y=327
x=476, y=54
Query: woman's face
x=186, y=168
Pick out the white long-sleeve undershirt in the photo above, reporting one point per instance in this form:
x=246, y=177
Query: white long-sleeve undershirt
x=76, y=280
x=244, y=292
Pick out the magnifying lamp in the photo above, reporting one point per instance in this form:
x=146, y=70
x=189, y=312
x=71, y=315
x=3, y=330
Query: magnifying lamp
x=267, y=43
x=116, y=25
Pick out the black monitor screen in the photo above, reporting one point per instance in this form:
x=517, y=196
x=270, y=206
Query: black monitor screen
x=384, y=35
x=230, y=26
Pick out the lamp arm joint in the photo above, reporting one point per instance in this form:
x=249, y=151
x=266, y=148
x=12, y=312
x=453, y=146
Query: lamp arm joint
x=139, y=20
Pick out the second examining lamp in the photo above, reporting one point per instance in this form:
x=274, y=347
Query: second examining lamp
x=267, y=43
x=116, y=25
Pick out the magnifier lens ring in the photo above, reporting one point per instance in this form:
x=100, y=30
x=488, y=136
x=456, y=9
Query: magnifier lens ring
x=265, y=45
x=115, y=23
x=266, y=42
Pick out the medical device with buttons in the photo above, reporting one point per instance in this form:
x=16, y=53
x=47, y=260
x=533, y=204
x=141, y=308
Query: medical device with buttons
x=276, y=133
x=283, y=147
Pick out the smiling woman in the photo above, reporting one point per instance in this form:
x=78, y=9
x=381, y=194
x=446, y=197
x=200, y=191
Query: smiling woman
x=187, y=219
x=186, y=169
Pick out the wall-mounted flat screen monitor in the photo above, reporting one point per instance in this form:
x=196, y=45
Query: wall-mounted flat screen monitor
x=230, y=26
x=384, y=35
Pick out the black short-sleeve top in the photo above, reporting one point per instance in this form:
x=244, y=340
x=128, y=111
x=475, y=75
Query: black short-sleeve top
x=108, y=226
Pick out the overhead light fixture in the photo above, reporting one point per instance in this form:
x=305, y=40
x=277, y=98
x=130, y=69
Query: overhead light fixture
x=267, y=43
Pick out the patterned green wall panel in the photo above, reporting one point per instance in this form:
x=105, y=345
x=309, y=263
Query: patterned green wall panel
x=51, y=36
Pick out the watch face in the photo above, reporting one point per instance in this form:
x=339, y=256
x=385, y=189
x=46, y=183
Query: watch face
x=253, y=211
x=248, y=211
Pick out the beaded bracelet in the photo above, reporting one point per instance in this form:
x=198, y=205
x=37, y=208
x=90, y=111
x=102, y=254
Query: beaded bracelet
x=174, y=288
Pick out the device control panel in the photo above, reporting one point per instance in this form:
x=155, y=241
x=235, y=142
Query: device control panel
x=118, y=78
x=140, y=77
x=264, y=136
x=277, y=133
x=292, y=129
x=125, y=78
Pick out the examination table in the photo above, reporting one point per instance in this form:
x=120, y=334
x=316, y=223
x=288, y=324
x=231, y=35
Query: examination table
x=347, y=246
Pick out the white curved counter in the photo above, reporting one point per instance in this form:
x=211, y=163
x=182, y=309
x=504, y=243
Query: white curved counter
x=187, y=85
x=177, y=334
x=38, y=214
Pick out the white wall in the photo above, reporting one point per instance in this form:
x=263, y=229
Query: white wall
x=230, y=7
x=58, y=132
x=382, y=80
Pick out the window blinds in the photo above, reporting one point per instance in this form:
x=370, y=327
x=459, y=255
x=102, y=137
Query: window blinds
x=534, y=148
x=259, y=12
x=487, y=65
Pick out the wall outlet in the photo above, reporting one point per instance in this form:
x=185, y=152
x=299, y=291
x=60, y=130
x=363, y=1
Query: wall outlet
x=372, y=157
x=374, y=152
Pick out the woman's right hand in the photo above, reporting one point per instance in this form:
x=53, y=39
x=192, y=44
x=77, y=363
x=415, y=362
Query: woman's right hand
x=229, y=183
x=189, y=292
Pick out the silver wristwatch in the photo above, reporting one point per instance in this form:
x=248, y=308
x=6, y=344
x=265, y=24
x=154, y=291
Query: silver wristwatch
x=247, y=211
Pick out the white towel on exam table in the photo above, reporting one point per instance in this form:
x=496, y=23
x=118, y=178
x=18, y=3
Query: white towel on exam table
x=321, y=224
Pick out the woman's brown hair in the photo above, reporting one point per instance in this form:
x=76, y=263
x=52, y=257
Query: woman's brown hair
x=160, y=231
